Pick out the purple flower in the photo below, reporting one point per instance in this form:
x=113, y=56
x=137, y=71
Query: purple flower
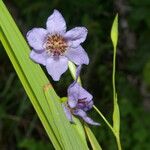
x=53, y=46
x=79, y=101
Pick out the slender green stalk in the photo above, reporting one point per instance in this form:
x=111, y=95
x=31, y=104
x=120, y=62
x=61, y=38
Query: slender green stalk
x=117, y=136
x=110, y=126
x=103, y=117
x=113, y=74
x=118, y=142
x=116, y=112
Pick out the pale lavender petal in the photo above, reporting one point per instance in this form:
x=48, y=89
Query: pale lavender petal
x=88, y=106
x=36, y=38
x=85, y=105
x=75, y=93
x=67, y=112
x=39, y=58
x=77, y=55
x=56, y=66
x=84, y=116
x=72, y=99
x=80, y=92
x=56, y=23
x=76, y=36
x=78, y=70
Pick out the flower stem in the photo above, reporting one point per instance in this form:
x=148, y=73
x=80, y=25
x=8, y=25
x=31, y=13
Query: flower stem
x=103, y=117
x=110, y=126
x=118, y=142
x=113, y=74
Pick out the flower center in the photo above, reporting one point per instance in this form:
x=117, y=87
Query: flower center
x=55, y=45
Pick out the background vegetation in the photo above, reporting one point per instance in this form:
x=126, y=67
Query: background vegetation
x=19, y=125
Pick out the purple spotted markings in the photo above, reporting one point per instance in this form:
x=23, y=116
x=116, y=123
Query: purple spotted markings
x=53, y=47
x=79, y=102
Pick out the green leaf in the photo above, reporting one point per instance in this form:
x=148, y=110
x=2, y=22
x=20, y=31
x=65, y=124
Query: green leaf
x=114, y=31
x=79, y=128
x=33, y=79
x=32, y=144
x=27, y=85
x=94, y=143
x=116, y=117
x=59, y=119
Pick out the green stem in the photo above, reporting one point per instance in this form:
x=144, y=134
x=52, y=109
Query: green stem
x=114, y=95
x=110, y=126
x=113, y=75
x=118, y=142
x=103, y=117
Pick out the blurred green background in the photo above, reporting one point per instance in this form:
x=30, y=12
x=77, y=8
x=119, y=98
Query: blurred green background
x=20, y=127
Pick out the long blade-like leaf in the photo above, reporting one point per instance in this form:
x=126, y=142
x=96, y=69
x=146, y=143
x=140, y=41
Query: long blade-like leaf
x=28, y=90
x=33, y=80
x=94, y=143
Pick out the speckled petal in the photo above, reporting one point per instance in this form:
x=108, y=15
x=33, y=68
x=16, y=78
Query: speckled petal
x=80, y=92
x=84, y=116
x=76, y=36
x=77, y=55
x=56, y=23
x=56, y=66
x=36, y=38
x=85, y=106
x=39, y=58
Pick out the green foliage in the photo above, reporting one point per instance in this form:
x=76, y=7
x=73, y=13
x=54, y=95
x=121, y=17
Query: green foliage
x=32, y=144
x=116, y=112
x=92, y=139
x=146, y=73
x=114, y=33
x=45, y=101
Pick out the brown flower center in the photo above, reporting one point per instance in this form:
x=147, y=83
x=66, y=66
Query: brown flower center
x=55, y=45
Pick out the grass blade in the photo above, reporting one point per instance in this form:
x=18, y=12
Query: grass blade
x=33, y=79
x=94, y=143
x=28, y=90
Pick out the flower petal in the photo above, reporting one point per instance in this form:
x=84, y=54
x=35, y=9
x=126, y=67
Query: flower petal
x=72, y=99
x=76, y=92
x=78, y=55
x=36, y=38
x=84, y=116
x=76, y=36
x=67, y=112
x=56, y=66
x=56, y=23
x=39, y=58
x=81, y=92
x=85, y=105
